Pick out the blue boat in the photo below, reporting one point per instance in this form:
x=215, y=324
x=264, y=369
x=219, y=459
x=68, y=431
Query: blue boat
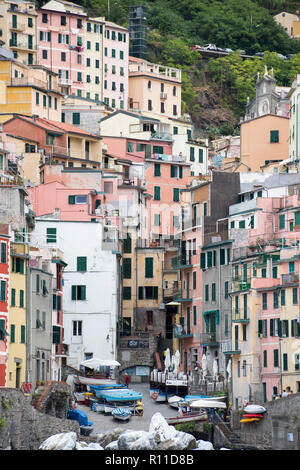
x=94, y=388
x=121, y=414
x=123, y=395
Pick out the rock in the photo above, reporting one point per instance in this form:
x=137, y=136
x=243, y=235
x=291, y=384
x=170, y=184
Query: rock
x=160, y=429
x=110, y=436
x=204, y=445
x=63, y=441
x=112, y=446
x=93, y=446
x=184, y=441
x=136, y=440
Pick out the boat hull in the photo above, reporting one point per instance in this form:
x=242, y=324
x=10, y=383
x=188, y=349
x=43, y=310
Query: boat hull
x=95, y=381
x=121, y=414
x=187, y=419
x=254, y=409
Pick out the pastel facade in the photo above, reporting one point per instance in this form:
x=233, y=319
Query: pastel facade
x=287, y=20
x=61, y=43
x=154, y=88
x=115, y=79
x=29, y=90
x=94, y=58
x=18, y=23
x=264, y=139
x=17, y=366
x=4, y=302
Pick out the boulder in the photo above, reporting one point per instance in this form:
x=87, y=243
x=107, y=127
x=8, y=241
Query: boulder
x=160, y=429
x=204, y=445
x=136, y=440
x=110, y=436
x=112, y=446
x=62, y=441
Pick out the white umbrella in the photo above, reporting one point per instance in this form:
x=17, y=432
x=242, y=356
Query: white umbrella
x=228, y=370
x=94, y=363
x=176, y=361
x=167, y=359
x=204, y=365
x=215, y=368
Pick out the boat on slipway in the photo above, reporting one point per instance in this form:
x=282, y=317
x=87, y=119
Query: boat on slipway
x=121, y=414
x=188, y=418
x=112, y=399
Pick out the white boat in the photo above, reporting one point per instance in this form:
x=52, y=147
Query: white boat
x=254, y=409
x=91, y=380
x=192, y=398
x=121, y=414
x=174, y=401
x=208, y=404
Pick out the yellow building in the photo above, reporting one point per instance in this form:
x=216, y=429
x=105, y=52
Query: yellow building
x=94, y=58
x=18, y=322
x=154, y=88
x=18, y=26
x=29, y=90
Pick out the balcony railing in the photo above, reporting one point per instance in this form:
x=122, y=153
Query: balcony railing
x=22, y=45
x=65, y=81
x=180, y=332
x=23, y=81
x=184, y=295
x=241, y=316
x=289, y=278
x=208, y=338
x=163, y=96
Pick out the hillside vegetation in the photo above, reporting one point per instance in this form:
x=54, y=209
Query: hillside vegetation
x=215, y=91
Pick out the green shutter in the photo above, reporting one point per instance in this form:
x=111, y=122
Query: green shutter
x=71, y=199
x=155, y=292
x=274, y=136
x=281, y=222
x=126, y=293
x=21, y=298
x=271, y=327
x=148, y=267
x=276, y=358
x=202, y=261
x=83, y=292
x=156, y=169
x=58, y=303
x=81, y=263
x=12, y=333
x=3, y=252
x=54, y=302
x=297, y=219
x=22, y=334
x=222, y=256
x=176, y=194
x=141, y=293
x=173, y=172
x=260, y=329
x=127, y=268
x=13, y=297
x=74, y=293
x=51, y=235
x=3, y=291
x=127, y=247
x=156, y=193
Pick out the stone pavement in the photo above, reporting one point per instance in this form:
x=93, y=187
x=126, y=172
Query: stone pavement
x=104, y=423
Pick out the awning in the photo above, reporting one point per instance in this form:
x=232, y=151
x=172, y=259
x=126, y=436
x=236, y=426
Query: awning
x=211, y=312
x=173, y=303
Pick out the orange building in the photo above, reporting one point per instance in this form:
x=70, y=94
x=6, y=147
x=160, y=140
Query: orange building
x=264, y=139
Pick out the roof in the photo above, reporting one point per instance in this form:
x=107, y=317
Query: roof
x=127, y=113
x=110, y=24
x=54, y=126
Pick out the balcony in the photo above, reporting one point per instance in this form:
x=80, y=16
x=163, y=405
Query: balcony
x=23, y=81
x=65, y=81
x=171, y=292
x=289, y=278
x=179, y=332
x=184, y=295
x=17, y=27
x=22, y=46
x=209, y=339
x=163, y=96
x=238, y=285
x=241, y=316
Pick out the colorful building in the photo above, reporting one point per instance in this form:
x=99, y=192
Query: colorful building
x=4, y=302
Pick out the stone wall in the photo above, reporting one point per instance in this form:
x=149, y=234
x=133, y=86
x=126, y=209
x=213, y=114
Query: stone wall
x=278, y=430
x=22, y=427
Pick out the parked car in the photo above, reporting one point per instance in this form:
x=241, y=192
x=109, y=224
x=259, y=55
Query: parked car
x=210, y=47
x=259, y=54
x=228, y=50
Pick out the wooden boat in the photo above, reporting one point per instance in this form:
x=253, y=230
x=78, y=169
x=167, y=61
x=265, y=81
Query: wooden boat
x=121, y=414
x=191, y=398
x=192, y=417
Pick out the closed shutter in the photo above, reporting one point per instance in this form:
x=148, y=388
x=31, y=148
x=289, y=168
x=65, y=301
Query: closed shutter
x=222, y=256
x=23, y=334
x=297, y=219
x=3, y=252
x=141, y=293
x=157, y=193
x=71, y=199
x=260, y=329
x=58, y=303
x=127, y=268
x=74, y=292
x=3, y=291
x=173, y=173
x=202, y=261
x=180, y=172
x=281, y=222
x=155, y=292
x=83, y=293
x=276, y=358
x=13, y=297
x=127, y=244
x=81, y=263
x=51, y=235
x=12, y=333
x=126, y=293
x=175, y=194
x=271, y=327
x=157, y=169
x=149, y=267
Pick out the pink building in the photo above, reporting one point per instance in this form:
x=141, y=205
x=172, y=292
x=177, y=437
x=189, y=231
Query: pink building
x=61, y=43
x=116, y=51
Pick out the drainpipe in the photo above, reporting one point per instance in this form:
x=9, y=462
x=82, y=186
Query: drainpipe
x=28, y=319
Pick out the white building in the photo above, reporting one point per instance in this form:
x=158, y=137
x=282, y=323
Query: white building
x=90, y=287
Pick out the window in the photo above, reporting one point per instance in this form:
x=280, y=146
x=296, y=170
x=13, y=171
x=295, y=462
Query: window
x=174, y=110
x=265, y=301
x=13, y=298
x=157, y=193
x=282, y=222
x=126, y=293
x=44, y=18
x=127, y=268
x=113, y=53
x=200, y=155
x=192, y=154
x=176, y=194
x=78, y=292
x=21, y=300
x=157, y=220
x=295, y=295
x=12, y=333
x=148, y=267
x=276, y=358
x=149, y=292
x=127, y=244
x=149, y=314
x=3, y=252
x=282, y=296
x=44, y=54
x=51, y=235
x=81, y=263
x=206, y=293
x=77, y=328
x=121, y=55
x=275, y=300
x=77, y=199
x=274, y=136
x=162, y=107
x=157, y=169
x=63, y=20
x=63, y=56
x=149, y=105
x=213, y=292
x=22, y=334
